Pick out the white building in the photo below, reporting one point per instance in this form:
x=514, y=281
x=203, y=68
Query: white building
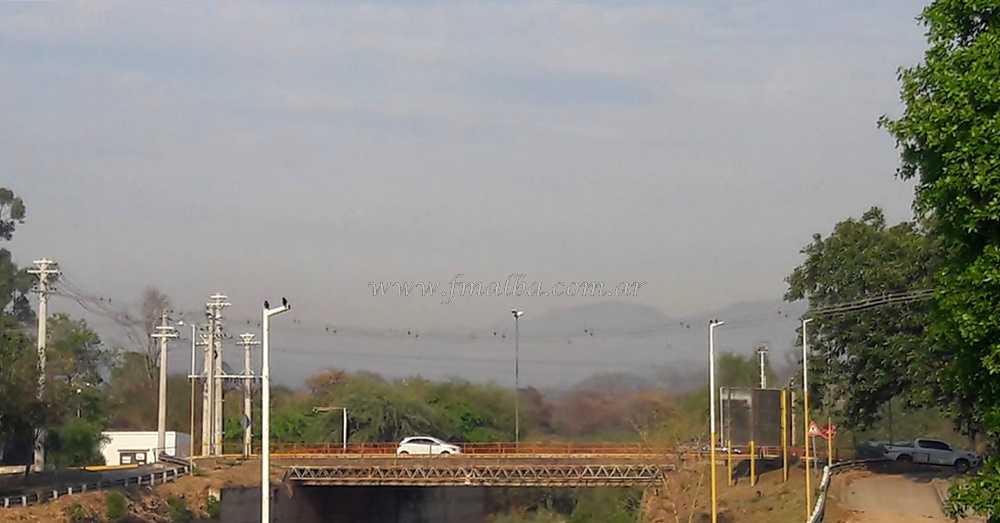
x=139, y=447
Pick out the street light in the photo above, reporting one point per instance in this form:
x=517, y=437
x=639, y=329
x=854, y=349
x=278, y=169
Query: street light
x=328, y=409
x=265, y=421
x=517, y=377
x=805, y=411
x=711, y=385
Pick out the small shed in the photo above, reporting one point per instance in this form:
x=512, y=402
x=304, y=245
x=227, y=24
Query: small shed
x=139, y=447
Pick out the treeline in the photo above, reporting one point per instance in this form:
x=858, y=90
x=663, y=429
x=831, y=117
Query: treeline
x=387, y=410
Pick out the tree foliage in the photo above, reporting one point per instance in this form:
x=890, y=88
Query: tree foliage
x=20, y=411
x=949, y=137
x=866, y=357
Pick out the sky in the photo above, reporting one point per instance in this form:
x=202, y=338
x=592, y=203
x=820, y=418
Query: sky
x=306, y=149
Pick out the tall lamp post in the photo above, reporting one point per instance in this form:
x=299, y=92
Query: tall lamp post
x=805, y=409
x=517, y=376
x=711, y=385
x=265, y=419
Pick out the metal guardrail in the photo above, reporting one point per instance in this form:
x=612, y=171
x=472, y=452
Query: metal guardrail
x=828, y=472
x=41, y=495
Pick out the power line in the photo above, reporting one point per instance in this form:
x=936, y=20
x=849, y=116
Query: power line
x=877, y=301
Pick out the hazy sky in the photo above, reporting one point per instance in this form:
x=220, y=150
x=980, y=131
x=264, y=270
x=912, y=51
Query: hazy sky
x=307, y=148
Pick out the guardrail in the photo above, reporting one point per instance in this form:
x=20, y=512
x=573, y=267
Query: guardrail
x=42, y=495
x=824, y=486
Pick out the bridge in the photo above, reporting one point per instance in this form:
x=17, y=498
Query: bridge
x=489, y=464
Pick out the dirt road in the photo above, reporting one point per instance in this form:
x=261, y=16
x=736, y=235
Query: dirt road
x=870, y=497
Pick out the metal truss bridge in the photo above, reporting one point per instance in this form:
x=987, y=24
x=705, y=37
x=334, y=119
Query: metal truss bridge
x=509, y=474
x=487, y=464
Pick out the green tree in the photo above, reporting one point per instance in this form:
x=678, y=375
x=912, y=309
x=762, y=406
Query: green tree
x=742, y=370
x=866, y=357
x=949, y=137
x=20, y=412
x=79, y=443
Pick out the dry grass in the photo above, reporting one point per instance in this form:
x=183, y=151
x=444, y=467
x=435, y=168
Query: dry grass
x=771, y=500
x=146, y=504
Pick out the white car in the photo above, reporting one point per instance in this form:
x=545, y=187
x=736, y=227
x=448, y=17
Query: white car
x=426, y=445
x=927, y=451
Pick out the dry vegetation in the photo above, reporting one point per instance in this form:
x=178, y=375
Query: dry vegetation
x=188, y=499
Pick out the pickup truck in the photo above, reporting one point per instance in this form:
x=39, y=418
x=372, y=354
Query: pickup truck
x=927, y=451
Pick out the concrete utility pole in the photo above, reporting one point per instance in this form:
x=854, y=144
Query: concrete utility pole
x=164, y=332
x=246, y=341
x=202, y=341
x=214, y=369
x=43, y=269
x=762, y=354
x=207, y=388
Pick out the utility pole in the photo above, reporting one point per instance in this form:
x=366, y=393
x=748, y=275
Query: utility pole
x=208, y=388
x=202, y=341
x=246, y=341
x=43, y=269
x=164, y=332
x=215, y=371
x=762, y=354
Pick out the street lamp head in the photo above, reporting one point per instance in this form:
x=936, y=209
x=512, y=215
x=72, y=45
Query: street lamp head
x=268, y=311
x=517, y=313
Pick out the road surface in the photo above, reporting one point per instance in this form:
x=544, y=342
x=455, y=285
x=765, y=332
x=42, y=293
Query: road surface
x=887, y=494
x=888, y=498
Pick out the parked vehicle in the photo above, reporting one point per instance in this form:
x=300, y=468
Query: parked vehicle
x=926, y=451
x=426, y=445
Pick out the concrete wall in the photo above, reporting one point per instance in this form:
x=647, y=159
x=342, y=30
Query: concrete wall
x=242, y=505
x=358, y=504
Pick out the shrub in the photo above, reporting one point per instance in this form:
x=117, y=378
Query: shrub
x=115, y=506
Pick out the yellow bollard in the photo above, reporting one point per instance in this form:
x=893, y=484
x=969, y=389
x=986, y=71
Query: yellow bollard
x=753, y=464
x=784, y=435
